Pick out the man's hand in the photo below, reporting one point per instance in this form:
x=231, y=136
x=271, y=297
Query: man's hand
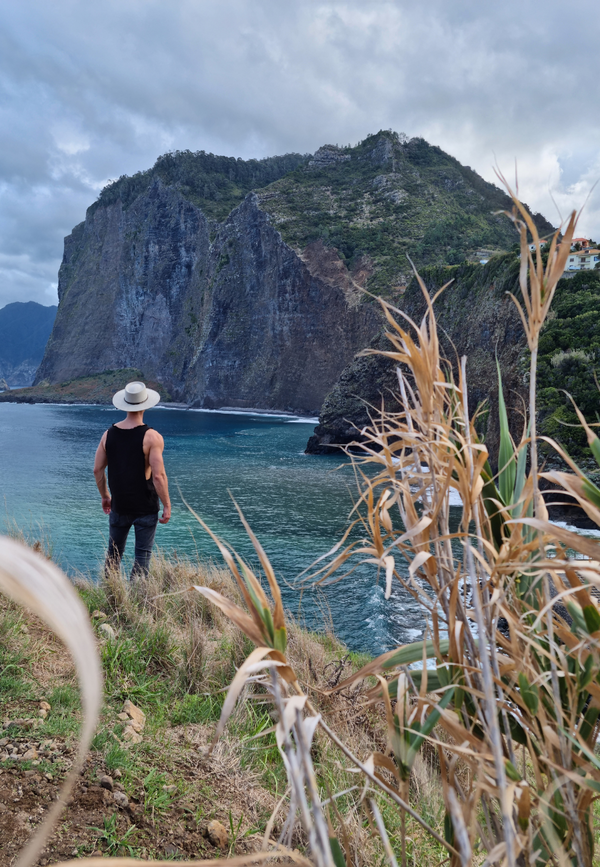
x=106, y=503
x=155, y=445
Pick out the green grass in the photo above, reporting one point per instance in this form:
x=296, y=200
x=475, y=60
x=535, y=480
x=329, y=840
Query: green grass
x=145, y=664
x=14, y=657
x=156, y=799
x=140, y=666
x=113, y=841
x=196, y=709
x=64, y=699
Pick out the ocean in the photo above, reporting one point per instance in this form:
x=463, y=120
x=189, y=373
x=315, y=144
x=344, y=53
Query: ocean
x=298, y=505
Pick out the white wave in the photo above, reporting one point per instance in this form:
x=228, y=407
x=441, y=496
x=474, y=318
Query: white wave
x=581, y=531
x=250, y=413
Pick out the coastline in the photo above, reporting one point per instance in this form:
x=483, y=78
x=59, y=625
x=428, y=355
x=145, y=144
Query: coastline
x=47, y=400
x=98, y=390
x=95, y=390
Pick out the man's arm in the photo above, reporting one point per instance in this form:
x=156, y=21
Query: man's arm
x=100, y=465
x=159, y=476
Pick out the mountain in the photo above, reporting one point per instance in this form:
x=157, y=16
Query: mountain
x=238, y=283
x=237, y=321
x=24, y=331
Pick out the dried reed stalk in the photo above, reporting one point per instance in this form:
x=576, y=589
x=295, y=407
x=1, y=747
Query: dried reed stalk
x=514, y=696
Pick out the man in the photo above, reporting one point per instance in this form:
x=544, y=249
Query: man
x=133, y=453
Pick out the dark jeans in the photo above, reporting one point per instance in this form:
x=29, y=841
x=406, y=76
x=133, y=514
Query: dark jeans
x=118, y=530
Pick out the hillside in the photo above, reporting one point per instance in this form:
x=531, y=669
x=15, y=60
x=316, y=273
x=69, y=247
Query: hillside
x=156, y=795
x=569, y=362
x=389, y=198
x=475, y=318
x=24, y=331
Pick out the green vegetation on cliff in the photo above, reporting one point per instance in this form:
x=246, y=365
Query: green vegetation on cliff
x=375, y=204
x=99, y=388
x=215, y=184
x=569, y=361
x=478, y=319
x=389, y=198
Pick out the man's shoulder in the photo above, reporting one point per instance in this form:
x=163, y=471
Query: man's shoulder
x=152, y=437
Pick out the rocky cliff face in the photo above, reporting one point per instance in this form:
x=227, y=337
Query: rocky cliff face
x=271, y=330
x=123, y=284
x=240, y=320
x=475, y=318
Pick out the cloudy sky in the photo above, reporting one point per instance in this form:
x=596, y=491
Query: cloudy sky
x=91, y=91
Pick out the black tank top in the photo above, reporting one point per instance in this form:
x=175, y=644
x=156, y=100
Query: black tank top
x=132, y=493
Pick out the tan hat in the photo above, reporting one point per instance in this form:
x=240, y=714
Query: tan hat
x=135, y=397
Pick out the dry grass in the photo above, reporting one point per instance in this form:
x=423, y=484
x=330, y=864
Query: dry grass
x=512, y=706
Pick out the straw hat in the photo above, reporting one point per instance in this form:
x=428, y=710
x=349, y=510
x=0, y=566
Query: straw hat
x=135, y=397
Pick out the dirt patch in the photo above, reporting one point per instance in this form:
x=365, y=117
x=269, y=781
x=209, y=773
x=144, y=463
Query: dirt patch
x=161, y=795
x=50, y=662
x=326, y=263
x=92, y=822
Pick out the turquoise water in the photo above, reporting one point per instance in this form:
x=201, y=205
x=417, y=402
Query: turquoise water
x=297, y=504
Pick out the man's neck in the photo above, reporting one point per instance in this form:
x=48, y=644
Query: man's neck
x=134, y=419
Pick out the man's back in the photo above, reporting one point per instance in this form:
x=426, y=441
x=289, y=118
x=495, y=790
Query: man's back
x=131, y=487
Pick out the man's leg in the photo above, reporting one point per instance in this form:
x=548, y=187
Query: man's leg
x=145, y=530
x=118, y=530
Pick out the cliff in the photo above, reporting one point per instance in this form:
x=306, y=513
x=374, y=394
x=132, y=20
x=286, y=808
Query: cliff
x=476, y=318
x=240, y=320
x=253, y=299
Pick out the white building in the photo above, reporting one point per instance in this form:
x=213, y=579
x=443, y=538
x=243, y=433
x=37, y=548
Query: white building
x=585, y=260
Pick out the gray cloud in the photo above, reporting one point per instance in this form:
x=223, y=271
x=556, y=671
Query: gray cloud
x=92, y=91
